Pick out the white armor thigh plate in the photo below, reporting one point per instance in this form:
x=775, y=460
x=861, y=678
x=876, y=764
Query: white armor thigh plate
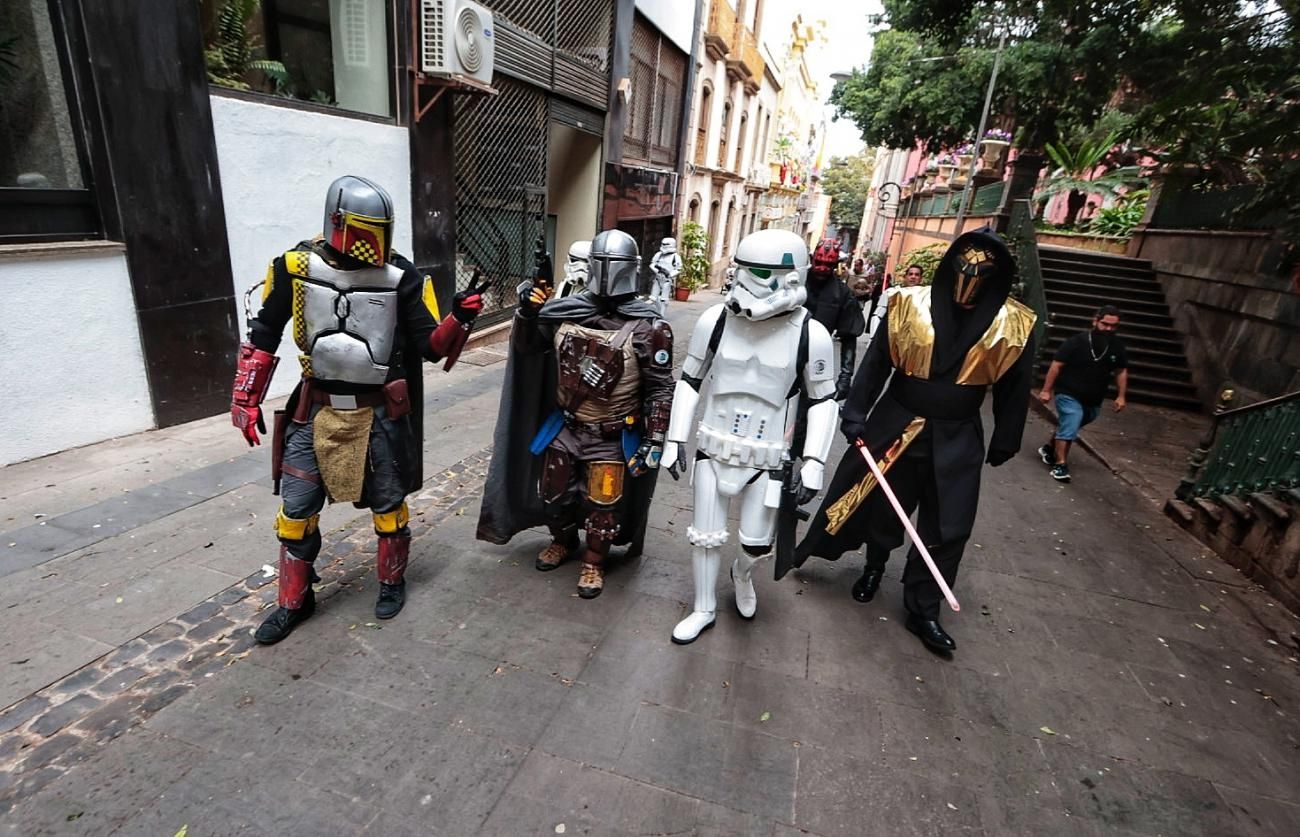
x=348, y=321
x=746, y=410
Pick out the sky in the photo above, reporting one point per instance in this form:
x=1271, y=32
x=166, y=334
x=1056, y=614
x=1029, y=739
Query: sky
x=847, y=45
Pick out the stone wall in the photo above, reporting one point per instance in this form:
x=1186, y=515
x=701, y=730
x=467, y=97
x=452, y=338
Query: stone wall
x=1238, y=315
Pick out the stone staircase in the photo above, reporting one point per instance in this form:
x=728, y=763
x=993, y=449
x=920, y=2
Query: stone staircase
x=1078, y=282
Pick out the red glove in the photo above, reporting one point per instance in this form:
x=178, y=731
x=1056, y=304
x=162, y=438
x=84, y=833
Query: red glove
x=252, y=378
x=466, y=305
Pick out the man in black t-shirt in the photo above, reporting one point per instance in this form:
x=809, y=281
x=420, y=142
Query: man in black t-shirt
x=1078, y=379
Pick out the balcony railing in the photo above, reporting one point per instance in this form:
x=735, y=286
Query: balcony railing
x=1251, y=451
x=720, y=33
x=746, y=59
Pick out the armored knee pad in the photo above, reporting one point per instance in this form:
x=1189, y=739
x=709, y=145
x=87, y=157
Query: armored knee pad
x=390, y=523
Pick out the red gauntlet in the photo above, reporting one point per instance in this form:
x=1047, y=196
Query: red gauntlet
x=448, y=339
x=252, y=378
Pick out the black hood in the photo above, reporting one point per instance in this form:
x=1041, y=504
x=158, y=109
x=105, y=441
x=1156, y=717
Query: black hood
x=956, y=330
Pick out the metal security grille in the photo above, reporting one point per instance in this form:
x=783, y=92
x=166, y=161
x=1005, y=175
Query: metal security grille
x=500, y=188
x=537, y=16
x=658, y=72
x=584, y=29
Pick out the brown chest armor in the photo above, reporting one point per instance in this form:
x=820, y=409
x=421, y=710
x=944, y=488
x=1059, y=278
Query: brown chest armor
x=594, y=381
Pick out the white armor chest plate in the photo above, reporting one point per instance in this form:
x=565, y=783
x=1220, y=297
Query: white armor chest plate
x=345, y=321
x=747, y=409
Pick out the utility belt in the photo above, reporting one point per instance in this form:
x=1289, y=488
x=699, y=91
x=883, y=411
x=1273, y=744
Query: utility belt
x=604, y=429
x=935, y=400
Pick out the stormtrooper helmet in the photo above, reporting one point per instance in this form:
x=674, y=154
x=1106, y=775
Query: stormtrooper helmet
x=580, y=251
x=613, y=264
x=668, y=245
x=771, y=271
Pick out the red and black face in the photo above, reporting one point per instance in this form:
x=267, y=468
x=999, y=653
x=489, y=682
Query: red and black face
x=825, y=258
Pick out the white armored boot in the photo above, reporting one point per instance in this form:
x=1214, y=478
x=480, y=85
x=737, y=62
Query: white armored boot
x=705, y=562
x=742, y=576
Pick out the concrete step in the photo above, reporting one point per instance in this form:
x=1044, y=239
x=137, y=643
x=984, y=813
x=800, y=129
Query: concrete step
x=1108, y=280
x=1080, y=320
x=1108, y=261
x=1060, y=293
x=1154, y=315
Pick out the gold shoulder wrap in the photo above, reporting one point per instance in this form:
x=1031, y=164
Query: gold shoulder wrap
x=1000, y=347
x=911, y=331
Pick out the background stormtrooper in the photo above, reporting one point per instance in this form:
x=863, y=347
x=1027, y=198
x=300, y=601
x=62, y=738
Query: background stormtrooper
x=762, y=348
x=575, y=270
x=664, y=267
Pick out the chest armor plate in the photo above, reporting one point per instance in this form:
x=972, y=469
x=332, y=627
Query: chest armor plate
x=911, y=339
x=344, y=321
x=598, y=382
x=746, y=412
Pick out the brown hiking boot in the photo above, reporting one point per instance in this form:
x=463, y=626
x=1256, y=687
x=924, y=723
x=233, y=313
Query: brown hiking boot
x=551, y=557
x=591, y=580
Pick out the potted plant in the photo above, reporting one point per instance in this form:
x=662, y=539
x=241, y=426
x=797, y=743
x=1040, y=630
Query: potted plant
x=695, y=261
x=993, y=148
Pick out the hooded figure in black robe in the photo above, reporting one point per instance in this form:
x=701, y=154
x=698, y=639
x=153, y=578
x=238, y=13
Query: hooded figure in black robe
x=915, y=403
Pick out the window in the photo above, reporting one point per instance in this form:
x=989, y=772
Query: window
x=740, y=144
x=44, y=185
x=694, y=214
x=330, y=52
x=723, y=130
x=656, y=72
x=702, y=134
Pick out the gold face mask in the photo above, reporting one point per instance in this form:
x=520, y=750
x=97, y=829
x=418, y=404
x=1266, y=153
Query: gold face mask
x=973, y=264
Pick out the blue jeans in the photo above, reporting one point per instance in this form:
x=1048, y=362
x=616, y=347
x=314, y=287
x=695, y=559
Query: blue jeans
x=1071, y=415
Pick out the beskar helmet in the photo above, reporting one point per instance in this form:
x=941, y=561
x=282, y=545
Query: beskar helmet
x=359, y=219
x=771, y=270
x=613, y=265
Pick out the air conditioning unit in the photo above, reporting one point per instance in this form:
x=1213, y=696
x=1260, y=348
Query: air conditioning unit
x=457, y=38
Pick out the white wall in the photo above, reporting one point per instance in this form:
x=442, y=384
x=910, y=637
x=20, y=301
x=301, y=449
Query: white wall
x=70, y=350
x=276, y=163
x=674, y=18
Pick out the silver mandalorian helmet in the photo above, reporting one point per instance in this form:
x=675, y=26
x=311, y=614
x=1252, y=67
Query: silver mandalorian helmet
x=359, y=219
x=771, y=272
x=614, y=264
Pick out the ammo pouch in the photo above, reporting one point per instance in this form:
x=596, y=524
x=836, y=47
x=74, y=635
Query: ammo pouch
x=591, y=367
x=397, y=400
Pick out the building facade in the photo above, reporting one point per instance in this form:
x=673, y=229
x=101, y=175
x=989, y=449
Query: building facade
x=136, y=216
x=731, y=126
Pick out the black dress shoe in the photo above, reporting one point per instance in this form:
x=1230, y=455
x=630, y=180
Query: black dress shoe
x=391, y=599
x=932, y=634
x=864, y=589
x=282, y=621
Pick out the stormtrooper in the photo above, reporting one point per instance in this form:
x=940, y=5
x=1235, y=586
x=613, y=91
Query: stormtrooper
x=664, y=267
x=762, y=349
x=575, y=270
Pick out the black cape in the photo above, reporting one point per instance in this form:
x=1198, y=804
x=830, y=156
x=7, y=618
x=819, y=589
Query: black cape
x=511, y=502
x=953, y=426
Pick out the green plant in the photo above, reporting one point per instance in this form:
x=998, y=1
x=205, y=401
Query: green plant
x=1073, y=174
x=1120, y=219
x=695, y=257
x=927, y=258
x=229, y=57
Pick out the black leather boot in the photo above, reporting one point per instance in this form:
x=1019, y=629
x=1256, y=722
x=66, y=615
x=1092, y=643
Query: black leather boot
x=391, y=599
x=864, y=589
x=283, y=620
x=932, y=634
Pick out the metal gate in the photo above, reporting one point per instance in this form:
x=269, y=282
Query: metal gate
x=500, y=188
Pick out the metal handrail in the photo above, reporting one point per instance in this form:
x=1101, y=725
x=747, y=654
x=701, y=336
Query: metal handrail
x=1253, y=449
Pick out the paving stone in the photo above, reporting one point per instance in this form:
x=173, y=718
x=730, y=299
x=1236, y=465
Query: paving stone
x=229, y=596
x=111, y=720
x=44, y=753
x=721, y=763
x=77, y=682
x=153, y=703
x=126, y=654
x=119, y=681
x=200, y=612
x=169, y=652
x=209, y=628
x=19, y=714
x=68, y=712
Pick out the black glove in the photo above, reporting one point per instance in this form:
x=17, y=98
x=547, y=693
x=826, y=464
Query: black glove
x=852, y=431
x=996, y=456
x=802, y=494
x=466, y=304
x=842, y=387
x=531, y=299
